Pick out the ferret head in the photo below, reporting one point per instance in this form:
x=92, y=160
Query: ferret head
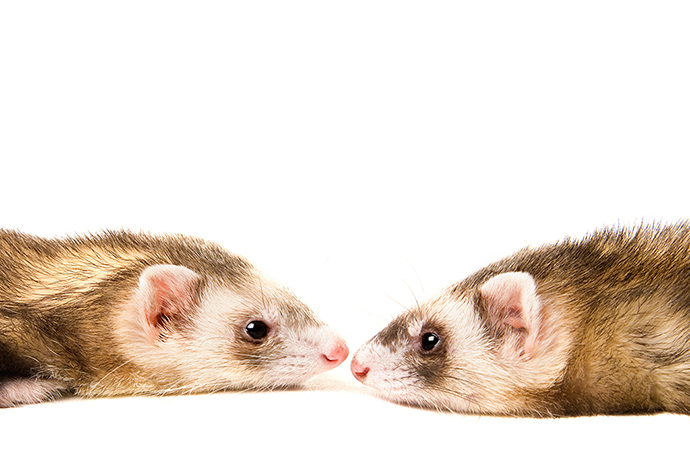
x=482, y=349
x=191, y=333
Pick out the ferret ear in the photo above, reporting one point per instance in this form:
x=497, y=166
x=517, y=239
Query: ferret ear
x=510, y=301
x=169, y=293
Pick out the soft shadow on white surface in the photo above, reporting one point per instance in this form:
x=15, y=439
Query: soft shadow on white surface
x=318, y=424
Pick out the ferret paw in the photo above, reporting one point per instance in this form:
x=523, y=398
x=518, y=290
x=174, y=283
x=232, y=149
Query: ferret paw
x=18, y=391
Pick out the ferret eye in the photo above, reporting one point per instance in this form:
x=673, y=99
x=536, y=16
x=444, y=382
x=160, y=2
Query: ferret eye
x=257, y=330
x=429, y=341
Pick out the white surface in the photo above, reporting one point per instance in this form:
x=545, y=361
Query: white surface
x=363, y=153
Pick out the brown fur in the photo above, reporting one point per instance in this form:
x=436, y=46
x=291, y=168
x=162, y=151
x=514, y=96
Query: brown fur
x=612, y=333
x=57, y=296
x=627, y=294
x=71, y=319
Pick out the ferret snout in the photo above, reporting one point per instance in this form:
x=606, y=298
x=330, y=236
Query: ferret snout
x=359, y=370
x=337, y=354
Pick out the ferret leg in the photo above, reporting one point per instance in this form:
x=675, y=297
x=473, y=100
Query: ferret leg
x=18, y=391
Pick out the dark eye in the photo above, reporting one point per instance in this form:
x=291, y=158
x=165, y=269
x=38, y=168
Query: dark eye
x=429, y=341
x=257, y=330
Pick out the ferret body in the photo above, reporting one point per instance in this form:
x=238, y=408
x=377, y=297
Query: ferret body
x=597, y=326
x=121, y=313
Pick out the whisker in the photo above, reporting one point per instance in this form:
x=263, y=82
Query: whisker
x=416, y=301
x=95, y=385
x=416, y=274
x=398, y=302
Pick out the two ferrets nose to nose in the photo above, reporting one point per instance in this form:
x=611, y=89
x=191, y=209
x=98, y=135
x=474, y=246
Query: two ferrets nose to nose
x=581, y=327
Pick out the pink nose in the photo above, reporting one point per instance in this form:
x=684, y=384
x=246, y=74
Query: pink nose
x=358, y=370
x=337, y=355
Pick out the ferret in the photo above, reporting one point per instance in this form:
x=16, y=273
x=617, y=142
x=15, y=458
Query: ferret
x=122, y=313
x=581, y=327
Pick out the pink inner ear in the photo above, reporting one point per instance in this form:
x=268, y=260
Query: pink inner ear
x=170, y=292
x=510, y=299
x=515, y=321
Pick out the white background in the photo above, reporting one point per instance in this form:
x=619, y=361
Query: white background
x=361, y=152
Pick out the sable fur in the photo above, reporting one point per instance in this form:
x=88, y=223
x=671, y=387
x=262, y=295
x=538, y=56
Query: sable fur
x=611, y=333
x=71, y=320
